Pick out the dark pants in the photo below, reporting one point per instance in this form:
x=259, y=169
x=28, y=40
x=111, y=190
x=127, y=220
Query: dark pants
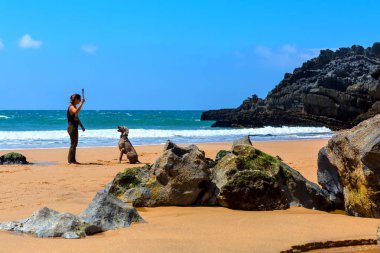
x=73, y=132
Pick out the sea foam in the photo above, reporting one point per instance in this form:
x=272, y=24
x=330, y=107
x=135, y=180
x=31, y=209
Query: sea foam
x=158, y=133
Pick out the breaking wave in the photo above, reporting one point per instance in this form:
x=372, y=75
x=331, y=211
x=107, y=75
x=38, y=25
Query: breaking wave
x=107, y=137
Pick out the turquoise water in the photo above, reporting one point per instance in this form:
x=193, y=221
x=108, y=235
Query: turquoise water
x=56, y=120
x=45, y=129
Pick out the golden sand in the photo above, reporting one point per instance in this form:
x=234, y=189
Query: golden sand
x=70, y=188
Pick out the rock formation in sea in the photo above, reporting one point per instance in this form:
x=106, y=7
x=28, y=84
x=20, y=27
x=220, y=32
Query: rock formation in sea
x=13, y=158
x=349, y=168
x=338, y=89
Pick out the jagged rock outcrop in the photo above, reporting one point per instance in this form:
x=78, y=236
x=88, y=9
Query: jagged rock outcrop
x=49, y=223
x=336, y=89
x=179, y=177
x=244, y=178
x=13, y=158
x=349, y=167
x=250, y=179
x=105, y=212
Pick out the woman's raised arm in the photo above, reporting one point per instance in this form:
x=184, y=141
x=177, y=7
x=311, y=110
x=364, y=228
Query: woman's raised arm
x=74, y=110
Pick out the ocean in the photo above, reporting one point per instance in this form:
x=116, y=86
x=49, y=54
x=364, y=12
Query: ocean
x=47, y=129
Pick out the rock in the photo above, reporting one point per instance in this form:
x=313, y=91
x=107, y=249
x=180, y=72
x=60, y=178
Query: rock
x=335, y=90
x=245, y=141
x=179, y=177
x=352, y=159
x=378, y=235
x=13, y=158
x=250, y=179
x=49, y=223
x=376, y=74
x=244, y=178
x=106, y=212
x=220, y=155
x=329, y=179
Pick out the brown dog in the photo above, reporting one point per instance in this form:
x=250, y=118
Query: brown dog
x=126, y=147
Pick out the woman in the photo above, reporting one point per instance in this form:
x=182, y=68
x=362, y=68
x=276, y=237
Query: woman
x=74, y=121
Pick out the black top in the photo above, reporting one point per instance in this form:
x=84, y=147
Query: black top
x=71, y=119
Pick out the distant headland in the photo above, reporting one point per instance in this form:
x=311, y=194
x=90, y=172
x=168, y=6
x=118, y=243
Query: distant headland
x=337, y=89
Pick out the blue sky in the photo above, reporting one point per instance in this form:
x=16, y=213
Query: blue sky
x=166, y=54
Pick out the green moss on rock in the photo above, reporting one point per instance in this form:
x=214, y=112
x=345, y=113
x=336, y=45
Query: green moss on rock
x=221, y=154
x=13, y=158
x=127, y=179
x=13, y=155
x=254, y=159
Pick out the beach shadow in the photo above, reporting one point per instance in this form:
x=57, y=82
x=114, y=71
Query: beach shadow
x=137, y=164
x=91, y=164
x=43, y=163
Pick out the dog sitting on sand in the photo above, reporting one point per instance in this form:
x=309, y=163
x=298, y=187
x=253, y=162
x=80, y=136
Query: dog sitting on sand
x=126, y=147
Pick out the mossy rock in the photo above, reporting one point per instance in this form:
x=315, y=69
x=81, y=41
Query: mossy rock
x=249, y=179
x=13, y=158
x=221, y=154
x=252, y=190
x=128, y=179
x=254, y=159
x=251, y=182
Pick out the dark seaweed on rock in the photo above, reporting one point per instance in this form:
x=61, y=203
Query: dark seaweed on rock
x=335, y=90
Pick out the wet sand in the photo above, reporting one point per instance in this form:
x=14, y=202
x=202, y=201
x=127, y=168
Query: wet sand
x=69, y=188
x=356, y=249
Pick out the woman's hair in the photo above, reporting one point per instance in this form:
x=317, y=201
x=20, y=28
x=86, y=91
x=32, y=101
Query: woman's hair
x=74, y=97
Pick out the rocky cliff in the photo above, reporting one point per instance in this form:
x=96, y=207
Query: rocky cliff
x=337, y=89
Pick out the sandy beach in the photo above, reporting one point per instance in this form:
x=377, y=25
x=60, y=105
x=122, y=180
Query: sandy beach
x=69, y=188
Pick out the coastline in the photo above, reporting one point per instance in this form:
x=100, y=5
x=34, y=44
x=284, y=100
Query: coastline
x=160, y=144
x=70, y=188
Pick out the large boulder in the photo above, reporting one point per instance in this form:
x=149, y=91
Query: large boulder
x=244, y=178
x=250, y=179
x=105, y=212
x=329, y=179
x=49, y=223
x=349, y=166
x=13, y=158
x=179, y=177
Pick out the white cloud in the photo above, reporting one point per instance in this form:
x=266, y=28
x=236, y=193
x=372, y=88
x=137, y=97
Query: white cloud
x=291, y=49
x=89, y=48
x=27, y=41
x=284, y=56
x=263, y=51
x=1, y=44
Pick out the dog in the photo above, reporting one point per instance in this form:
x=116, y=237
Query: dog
x=126, y=147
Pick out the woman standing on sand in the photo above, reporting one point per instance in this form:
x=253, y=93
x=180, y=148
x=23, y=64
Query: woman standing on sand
x=73, y=121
